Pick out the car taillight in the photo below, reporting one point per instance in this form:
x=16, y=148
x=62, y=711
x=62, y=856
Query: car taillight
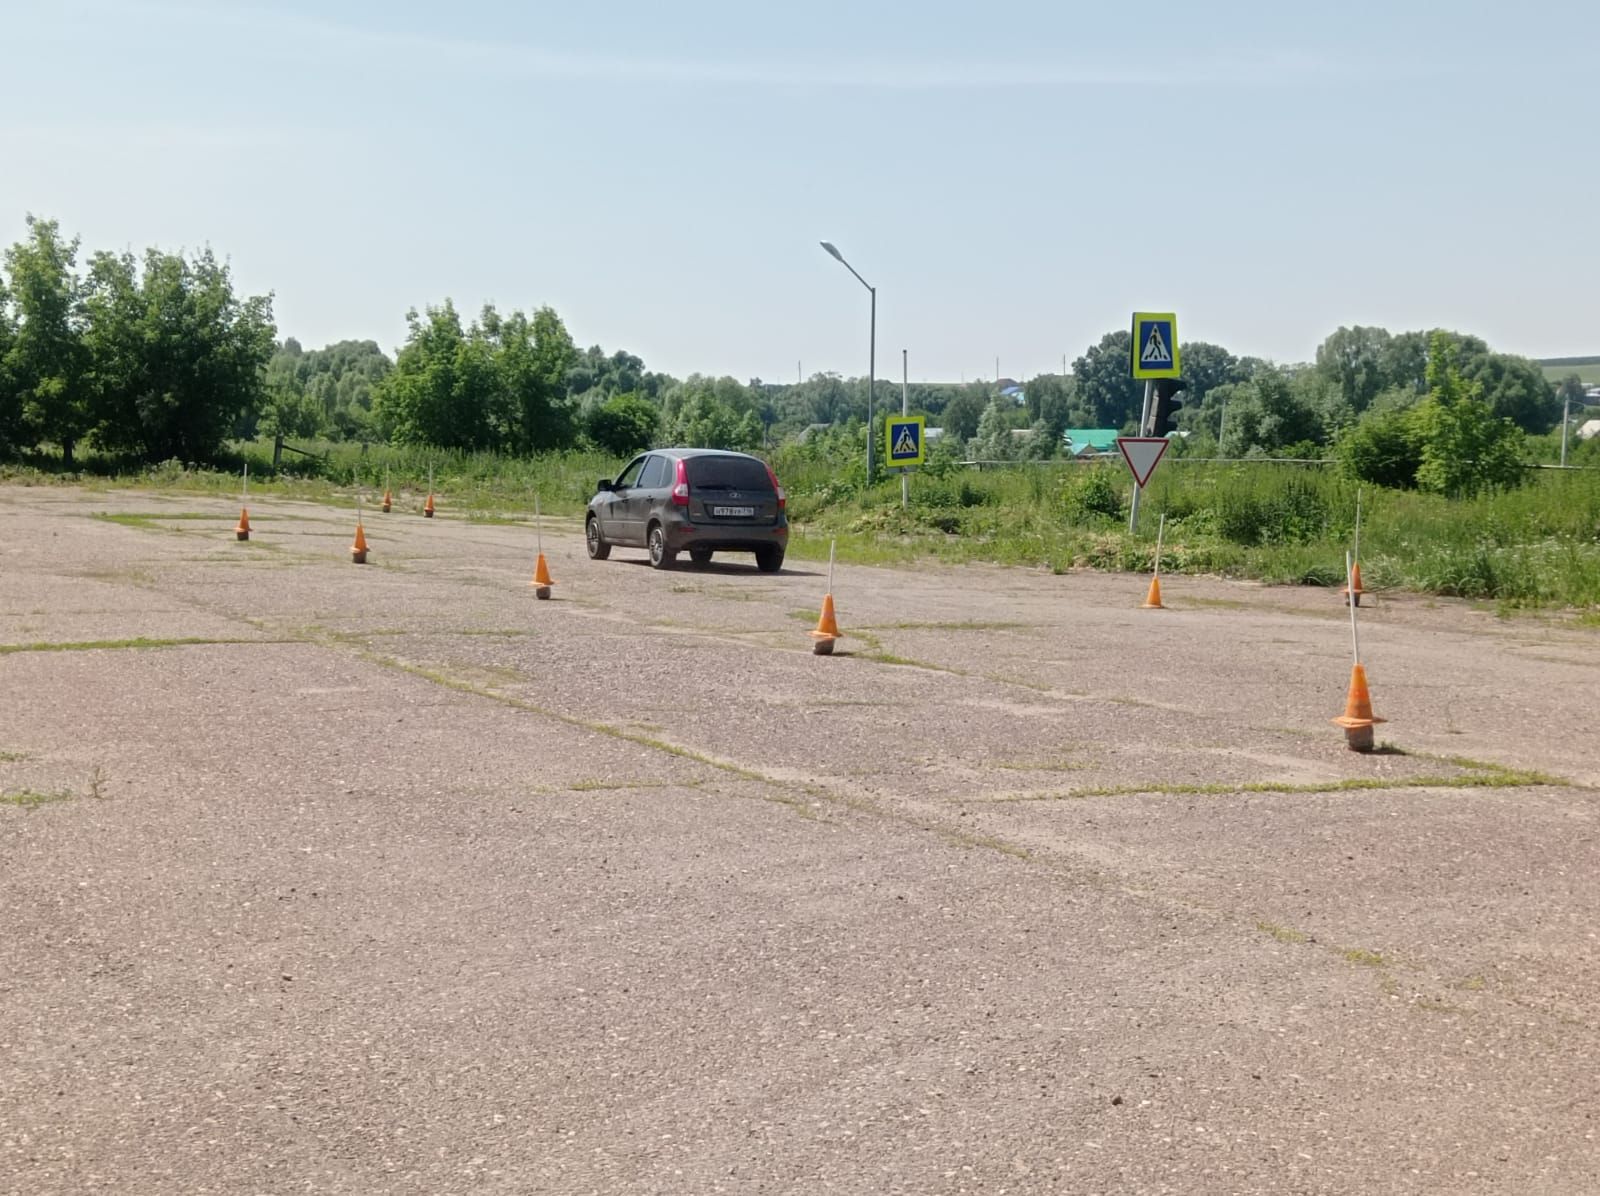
x=783, y=499
x=680, y=491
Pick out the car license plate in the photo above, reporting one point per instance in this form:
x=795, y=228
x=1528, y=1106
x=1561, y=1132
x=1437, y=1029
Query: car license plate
x=733, y=512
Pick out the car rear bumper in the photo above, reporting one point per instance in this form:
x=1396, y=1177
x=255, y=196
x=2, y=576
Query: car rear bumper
x=683, y=535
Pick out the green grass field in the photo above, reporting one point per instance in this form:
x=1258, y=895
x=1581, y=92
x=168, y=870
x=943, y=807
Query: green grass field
x=1589, y=372
x=1535, y=547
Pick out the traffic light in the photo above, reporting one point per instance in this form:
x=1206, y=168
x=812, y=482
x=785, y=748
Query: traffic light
x=1168, y=400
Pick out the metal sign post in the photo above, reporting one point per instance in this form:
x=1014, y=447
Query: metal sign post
x=1138, y=486
x=906, y=411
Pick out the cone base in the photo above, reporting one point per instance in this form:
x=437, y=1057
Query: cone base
x=384, y=508
x=1345, y=594
x=426, y=514
x=358, y=556
x=541, y=591
x=823, y=645
x=1351, y=723
x=241, y=533
x=1359, y=739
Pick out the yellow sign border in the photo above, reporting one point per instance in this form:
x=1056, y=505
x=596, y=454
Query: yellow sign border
x=1140, y=319
x=900, y=421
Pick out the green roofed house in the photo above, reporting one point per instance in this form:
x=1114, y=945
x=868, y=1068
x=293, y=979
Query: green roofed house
x=1082, y=441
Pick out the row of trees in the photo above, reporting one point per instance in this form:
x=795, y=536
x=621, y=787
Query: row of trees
x=154, y=357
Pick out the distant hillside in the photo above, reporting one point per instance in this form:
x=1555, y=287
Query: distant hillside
x=1557, y=368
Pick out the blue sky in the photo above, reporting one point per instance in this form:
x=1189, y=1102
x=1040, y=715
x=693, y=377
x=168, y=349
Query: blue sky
x=1014, y=177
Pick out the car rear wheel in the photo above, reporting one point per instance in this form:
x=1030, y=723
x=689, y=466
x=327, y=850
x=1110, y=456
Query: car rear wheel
x=661, y=557
x=700, y=556
x=769, y=559
x=598, y=548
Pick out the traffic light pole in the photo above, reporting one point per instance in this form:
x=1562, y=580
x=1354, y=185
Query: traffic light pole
x=1144, y=425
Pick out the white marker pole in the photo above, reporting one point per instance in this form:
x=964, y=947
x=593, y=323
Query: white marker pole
x=1161, y=531
x=538, y=524
x=247, y=481
x=832, y=544
x=1358, y=524
x=1349, y=580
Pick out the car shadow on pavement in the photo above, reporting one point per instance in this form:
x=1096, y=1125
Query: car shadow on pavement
x=716, y=569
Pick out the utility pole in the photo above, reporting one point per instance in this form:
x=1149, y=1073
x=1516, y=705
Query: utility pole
x=1566, y=418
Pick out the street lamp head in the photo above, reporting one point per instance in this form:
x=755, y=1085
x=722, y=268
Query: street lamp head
x=829, y=246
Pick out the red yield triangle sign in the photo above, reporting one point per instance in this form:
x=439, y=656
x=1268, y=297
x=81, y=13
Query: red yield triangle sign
x=1143, y=454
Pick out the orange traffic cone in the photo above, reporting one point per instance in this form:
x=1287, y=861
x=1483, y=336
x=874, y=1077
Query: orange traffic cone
x=388, y=501
x=1358, y=719
x=541, y=582
x=243, y=530
x=1353, y=591
x=358, y=550
x=827, y=630
x=427, y=507
x=1152, y=599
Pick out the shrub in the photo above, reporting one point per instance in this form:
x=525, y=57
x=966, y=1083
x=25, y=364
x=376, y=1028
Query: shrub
x=1094, y=495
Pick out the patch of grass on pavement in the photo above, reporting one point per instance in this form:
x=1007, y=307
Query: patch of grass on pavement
x=137, y=642
x=1479, y=775
x=1362, y=957
x=32, y=799
x=1284, y=934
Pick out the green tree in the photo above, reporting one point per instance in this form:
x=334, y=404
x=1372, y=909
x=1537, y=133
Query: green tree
x=994, y=441
x=337, y=380
x=1052, y=400
x=1106, y=388
x=440, y=390
x=701, y=420
x=1571, y=393
x=1513, y=387
x=1383, y=448
x=47, y=360
x=1354, y=360
x=179, y=359
x=1466, y=448
x=624, y=424
x=1405, y=362
x=290, y=411
x=962, y=414
x=11, y=426
x=1269, y=414
x=531, y=363
x=1206, y=367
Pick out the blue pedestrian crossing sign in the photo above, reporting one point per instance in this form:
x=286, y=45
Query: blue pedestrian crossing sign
x=903, y=437
x=1155, y=345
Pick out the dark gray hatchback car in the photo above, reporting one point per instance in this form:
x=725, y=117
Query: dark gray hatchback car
x=699, y=501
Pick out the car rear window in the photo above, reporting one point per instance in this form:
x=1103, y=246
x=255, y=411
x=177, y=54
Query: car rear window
x=728, y=473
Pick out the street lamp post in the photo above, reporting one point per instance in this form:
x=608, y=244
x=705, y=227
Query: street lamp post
x=872, y=351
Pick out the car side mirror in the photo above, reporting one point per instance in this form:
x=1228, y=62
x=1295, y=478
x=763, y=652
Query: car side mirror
x=604, y=484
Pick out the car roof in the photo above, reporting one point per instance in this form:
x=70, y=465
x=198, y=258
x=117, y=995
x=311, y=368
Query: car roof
x=701, y=452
